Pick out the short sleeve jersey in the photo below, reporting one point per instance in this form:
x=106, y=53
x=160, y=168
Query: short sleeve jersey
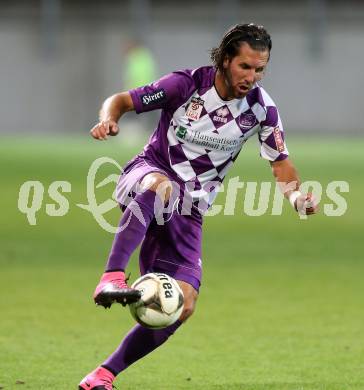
x=200, y=135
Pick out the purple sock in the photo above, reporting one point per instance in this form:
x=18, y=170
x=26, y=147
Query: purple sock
x=133, y=224
x=137, y=343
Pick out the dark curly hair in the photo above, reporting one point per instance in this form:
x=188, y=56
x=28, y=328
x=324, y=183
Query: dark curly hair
x=256, y=36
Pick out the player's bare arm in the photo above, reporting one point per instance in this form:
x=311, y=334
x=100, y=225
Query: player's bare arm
x=287, y=177
x=112, y=109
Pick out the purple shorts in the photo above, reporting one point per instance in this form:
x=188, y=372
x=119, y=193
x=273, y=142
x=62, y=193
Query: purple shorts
x=173, y=247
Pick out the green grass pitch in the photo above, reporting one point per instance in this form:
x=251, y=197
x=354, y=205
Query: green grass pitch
x=281, y=305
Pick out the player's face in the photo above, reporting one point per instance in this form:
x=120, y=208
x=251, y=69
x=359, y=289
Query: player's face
x=243, y=70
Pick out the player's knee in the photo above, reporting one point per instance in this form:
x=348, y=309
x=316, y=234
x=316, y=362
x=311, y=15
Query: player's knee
x=158, y=183
x=187, y=312
x=188, y=308
x=190, y=298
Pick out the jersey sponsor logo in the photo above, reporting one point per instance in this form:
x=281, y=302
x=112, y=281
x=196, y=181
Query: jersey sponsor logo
x=194, y=109
x=155, y=97
x=247, y=121
x=209, y=141
x=181, y=132
x=278, y=139
x=221, y=115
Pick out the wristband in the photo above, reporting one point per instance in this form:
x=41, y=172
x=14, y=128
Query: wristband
x=293, y=197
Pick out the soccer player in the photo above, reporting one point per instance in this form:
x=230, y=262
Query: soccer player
x=207, y=115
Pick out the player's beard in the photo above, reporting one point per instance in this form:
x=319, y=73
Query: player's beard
x=231, y=90
x=228, y=83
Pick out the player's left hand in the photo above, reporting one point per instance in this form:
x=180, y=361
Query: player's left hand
x=306, y=204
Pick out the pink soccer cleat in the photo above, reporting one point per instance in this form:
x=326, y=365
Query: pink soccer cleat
x=99, y=379
x=113, y=288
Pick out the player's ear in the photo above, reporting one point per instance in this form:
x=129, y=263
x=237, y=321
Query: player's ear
x=260, y=75
x=225, y=64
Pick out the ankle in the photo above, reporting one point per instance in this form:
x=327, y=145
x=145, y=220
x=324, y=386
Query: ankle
x=112, y=373
x=109, y=276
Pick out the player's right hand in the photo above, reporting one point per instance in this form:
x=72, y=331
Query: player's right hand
x=103, y=129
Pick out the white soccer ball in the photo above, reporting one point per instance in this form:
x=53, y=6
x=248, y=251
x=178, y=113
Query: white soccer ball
x=161, y=303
